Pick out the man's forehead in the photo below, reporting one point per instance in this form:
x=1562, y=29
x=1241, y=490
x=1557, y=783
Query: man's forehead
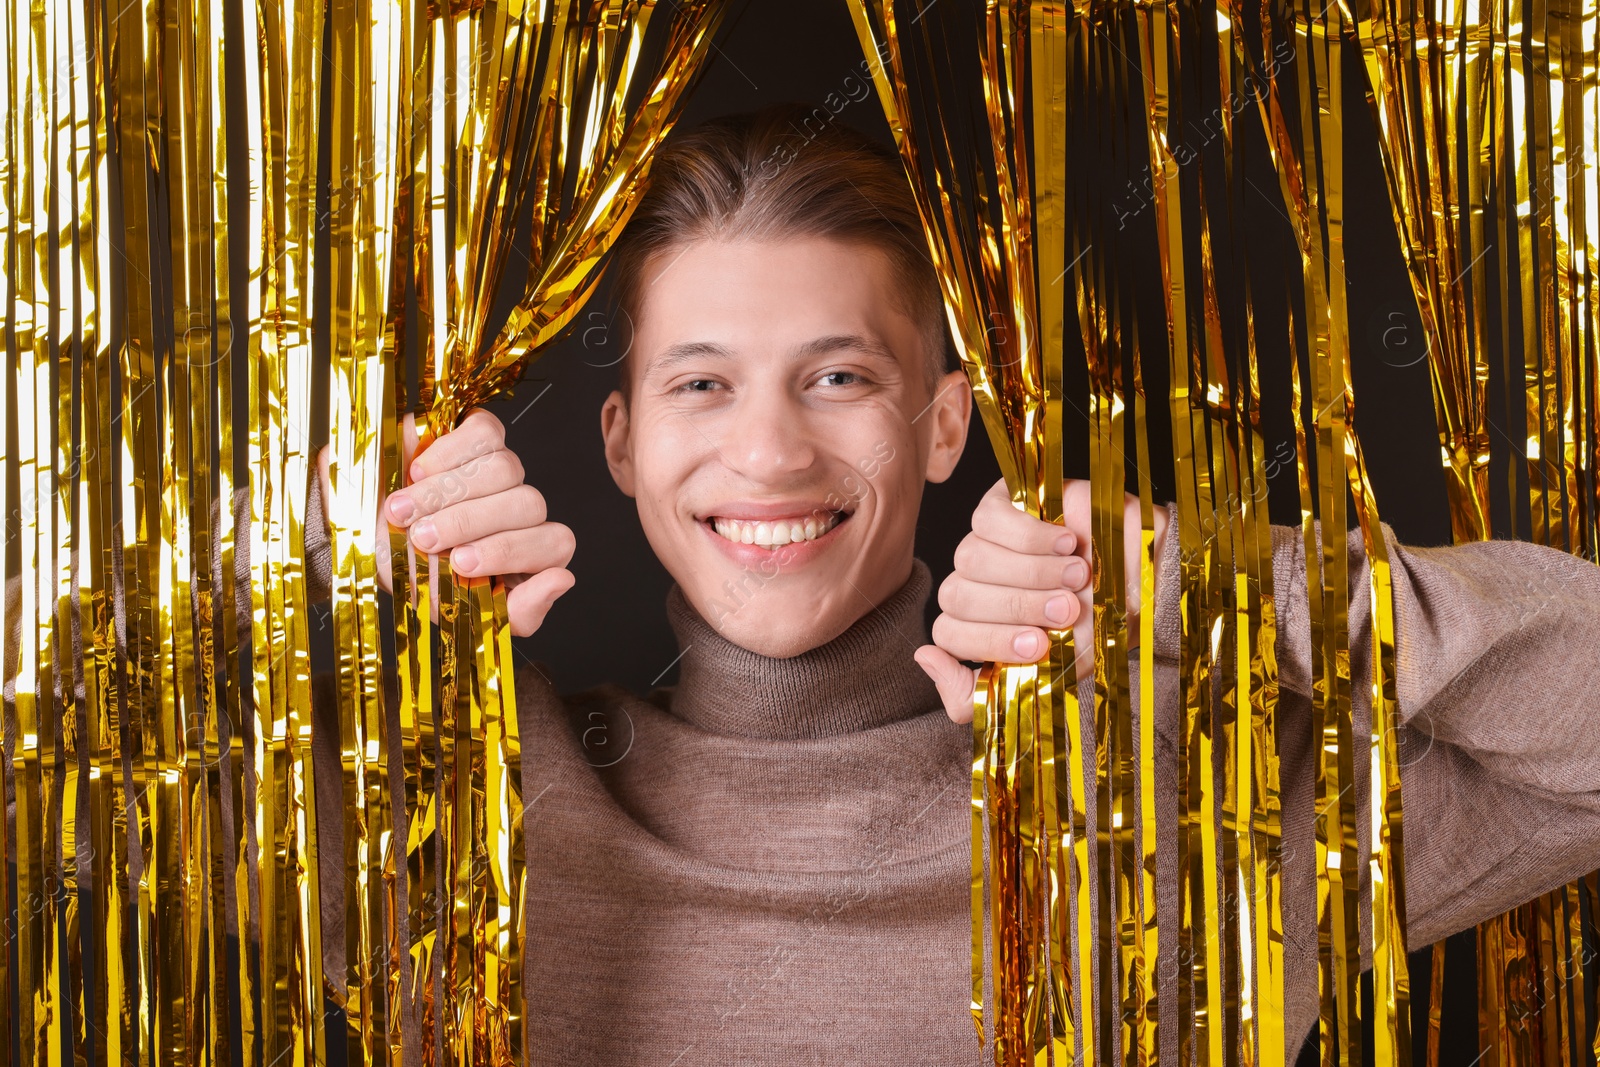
x=815, y=284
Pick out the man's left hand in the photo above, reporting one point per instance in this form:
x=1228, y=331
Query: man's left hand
x=1017, y=576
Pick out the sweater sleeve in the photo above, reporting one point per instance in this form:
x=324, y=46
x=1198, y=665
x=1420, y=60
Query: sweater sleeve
x=1497, y=651
x=1498, y=678
x=1497, y=663
x=1497, y=674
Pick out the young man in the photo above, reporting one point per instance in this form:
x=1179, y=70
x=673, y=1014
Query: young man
x=775, y=868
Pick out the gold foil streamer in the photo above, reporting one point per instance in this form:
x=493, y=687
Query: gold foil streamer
x=1311, y=175
x=30, y=279
x=72, y=208
x=282, y=92
x=128, y=715
x=1230, y=934
x=993, y=259
x=1002, y=266
x=362, y=224
x=1422, y=74
x=12, y=309
x=141, y=471
x=107, y=1031
x=1499, y=101
x=987, y=270
x=224, y=756
x=556, y=107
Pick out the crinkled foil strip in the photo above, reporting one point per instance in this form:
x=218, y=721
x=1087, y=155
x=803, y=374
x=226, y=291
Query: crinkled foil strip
x=160, y=218
x=1487, y=115
x=282, y=93
x=560, y=105
x=991, y=253
x=1058, y=83
x=364, y=42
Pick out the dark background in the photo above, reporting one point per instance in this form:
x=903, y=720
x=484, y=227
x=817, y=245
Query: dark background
x=611, y=626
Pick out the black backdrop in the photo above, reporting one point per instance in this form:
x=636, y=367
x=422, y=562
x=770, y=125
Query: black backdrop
x=611, y=626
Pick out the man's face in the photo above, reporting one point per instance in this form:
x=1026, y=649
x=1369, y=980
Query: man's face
x=779, y=431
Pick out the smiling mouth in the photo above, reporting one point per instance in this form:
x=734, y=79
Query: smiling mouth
x=775, y=533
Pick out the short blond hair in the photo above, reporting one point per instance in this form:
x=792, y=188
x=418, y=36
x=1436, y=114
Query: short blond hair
x=785, y=171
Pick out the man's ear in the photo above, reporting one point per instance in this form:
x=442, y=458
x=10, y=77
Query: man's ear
x=616, y=432
x=946, y=420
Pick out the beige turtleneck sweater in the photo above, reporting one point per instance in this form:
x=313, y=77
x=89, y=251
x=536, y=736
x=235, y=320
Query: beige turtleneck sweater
x=769, y=862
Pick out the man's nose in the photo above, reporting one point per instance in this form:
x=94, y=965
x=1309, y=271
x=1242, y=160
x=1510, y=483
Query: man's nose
x=768, y=437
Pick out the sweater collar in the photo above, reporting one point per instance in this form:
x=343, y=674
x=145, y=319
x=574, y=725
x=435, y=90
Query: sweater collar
x=861, y=679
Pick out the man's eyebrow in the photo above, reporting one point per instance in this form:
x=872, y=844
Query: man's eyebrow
x=684, y=351
x=845, y=342
x=687, y=351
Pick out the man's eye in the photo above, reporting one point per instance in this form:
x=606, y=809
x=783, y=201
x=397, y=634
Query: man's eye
x=840, y=377
x=698, y=385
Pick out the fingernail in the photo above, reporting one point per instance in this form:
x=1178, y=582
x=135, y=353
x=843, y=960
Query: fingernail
x=465, y=559
x=1077, y=573
x=1027, y=646
x=401, y=509
x=1055, y=609
x=1065, y=544
x=417, y=471
x=423, y=535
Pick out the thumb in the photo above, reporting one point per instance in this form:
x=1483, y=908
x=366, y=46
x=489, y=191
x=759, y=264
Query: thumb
x=953, y=680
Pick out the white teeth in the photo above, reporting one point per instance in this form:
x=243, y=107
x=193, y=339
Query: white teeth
x=774, y=534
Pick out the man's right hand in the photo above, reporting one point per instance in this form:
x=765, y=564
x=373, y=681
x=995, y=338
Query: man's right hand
x=466, y=496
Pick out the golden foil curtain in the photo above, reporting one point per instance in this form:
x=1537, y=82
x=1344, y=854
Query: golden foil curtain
x=557, y=107
x=975, y=201
x=1488, y=120
x=168, y=319
x=1310, y=158
x=1053, y=148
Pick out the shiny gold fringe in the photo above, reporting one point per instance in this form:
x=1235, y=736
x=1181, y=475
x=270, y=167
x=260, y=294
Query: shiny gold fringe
x=127, y=714
x=994, y=254
x=364, y=42
x=286, y=940
x=1027, y=220
x=164, y=831
x=561, y=106
x=1488, y=119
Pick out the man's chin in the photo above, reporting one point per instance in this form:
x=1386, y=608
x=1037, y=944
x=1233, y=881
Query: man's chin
x=778, y=626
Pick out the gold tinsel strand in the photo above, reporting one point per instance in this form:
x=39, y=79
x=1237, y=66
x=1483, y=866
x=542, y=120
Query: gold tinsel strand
x=560, y=105
x=133, y=496
x=1002, y=263
x=1487, y=116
